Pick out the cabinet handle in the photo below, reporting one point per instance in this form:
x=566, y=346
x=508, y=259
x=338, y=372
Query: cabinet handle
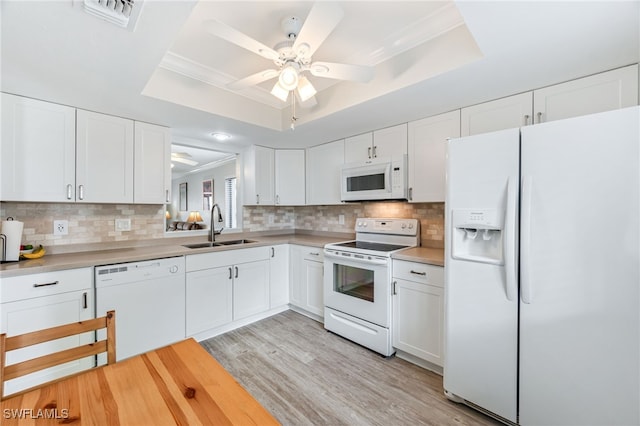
x=526, y=119
x=168, y=199
x=257, y=198
x=539, y=117
x=277, y=199
x=375, y=152
x=46, y=284
x=81, y=192
x=84, y=300
x=410, y=194
x=236, y=272
x=314, y=254
x=230, y=273
x=369, y=152
x=395, y=290
x=273, y=252
x=424, y=274
x=69, y=194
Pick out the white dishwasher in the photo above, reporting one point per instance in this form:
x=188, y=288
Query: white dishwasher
x=149, y=300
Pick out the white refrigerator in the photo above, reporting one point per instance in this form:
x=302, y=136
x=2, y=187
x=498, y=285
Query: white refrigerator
x=542, y=271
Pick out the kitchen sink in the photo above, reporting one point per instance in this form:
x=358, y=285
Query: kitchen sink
x=201, y=245
x=217, y=244
x=234, y=242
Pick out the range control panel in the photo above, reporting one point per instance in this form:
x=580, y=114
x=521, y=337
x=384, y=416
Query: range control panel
x=388, y=226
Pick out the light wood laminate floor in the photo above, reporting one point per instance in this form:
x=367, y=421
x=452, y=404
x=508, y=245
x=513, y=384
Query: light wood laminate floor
x=305, y=375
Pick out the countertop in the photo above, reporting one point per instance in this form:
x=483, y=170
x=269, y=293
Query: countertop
x=168, y=247
x=432, y=256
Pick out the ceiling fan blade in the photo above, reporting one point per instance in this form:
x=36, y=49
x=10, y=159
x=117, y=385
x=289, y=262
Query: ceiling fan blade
x=321, y=21
x=359, y=73
x=253, y=79
x=236, y=37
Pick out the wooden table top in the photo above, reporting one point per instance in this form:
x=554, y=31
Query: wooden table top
x=178, y=384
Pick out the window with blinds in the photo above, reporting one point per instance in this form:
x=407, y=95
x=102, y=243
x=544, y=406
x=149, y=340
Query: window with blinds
x=230, y=220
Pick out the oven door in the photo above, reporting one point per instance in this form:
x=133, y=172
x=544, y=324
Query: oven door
x=358, y=287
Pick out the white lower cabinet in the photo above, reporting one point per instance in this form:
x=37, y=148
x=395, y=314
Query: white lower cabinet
x=418, y=310
x=226, y=286
x=279, y=276
x=38, y=301
x=307, y=279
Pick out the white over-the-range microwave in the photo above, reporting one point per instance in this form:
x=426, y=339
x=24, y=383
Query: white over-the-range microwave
x=379, y=179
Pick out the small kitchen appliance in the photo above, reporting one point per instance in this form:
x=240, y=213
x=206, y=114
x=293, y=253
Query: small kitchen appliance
x=357, y=281
x=379, y=179
x=11, y=236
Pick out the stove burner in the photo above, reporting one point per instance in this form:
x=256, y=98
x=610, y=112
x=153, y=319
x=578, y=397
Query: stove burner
x=365, y=245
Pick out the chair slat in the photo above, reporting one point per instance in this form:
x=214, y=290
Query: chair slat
x=53, y=333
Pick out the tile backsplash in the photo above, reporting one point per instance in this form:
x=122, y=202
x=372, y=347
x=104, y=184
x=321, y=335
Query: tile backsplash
x=95, y=223
x=327, y=218
x=88, y=223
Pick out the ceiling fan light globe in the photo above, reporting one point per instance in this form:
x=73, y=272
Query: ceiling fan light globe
x=306, y=89
x=280, y=92
x=288, y=78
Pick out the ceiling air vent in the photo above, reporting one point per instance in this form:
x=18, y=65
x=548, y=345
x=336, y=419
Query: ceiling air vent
x=118, y=12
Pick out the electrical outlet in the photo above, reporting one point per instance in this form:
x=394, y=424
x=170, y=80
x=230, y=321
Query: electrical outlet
x=341, y=219
x=60, y=227
x=271, y=219
x=123, y=224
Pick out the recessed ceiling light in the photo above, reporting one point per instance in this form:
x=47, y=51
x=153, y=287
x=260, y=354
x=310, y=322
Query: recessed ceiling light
x=220, y=136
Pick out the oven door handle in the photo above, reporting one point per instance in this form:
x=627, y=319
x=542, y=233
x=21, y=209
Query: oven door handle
x=372, y=261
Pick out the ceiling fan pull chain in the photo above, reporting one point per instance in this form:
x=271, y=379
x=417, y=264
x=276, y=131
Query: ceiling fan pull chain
x=293, y=111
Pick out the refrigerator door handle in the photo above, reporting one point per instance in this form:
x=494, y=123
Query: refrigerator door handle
x=525, y=240
x=511, y=282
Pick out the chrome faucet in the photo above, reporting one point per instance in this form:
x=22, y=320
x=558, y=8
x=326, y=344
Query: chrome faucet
x=213, y=232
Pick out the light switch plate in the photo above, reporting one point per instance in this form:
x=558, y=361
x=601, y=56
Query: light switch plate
x=123, y=224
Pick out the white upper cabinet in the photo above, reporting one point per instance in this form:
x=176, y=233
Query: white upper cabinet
x=104, y=158
x=358, y=148
x=37, y=152
x=324, y=164
x=290, y=177
x=427, y=155
x=589, y=95
x=503, y=113
x=390, y=143
x=258, y=173
x=152, y=168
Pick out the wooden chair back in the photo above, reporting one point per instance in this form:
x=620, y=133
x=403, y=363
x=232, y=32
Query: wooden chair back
x=7, y=344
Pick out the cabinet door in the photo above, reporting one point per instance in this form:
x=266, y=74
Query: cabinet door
x=258, y=176
x=104, y=158
x=589, y=95
x=358, y=148
x=297, y=288
x=323, y=173
x=28, y=315
x=418, y=320
x=505, y=113
x=290, y=177
x=427, y=155
x=250, y=289
x=152, y=164
x=314, y=287
x=209, y=299
x=37, y=151
x=390, y=142
x=279, y=276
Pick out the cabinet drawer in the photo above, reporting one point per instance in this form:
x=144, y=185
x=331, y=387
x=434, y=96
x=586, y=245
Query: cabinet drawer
x=419, y=272
x=45, y=284
x=313, y=253
x=197, y=262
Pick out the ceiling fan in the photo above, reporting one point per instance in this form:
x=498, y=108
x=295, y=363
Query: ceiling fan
x=292, y=56
x=183, y=157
